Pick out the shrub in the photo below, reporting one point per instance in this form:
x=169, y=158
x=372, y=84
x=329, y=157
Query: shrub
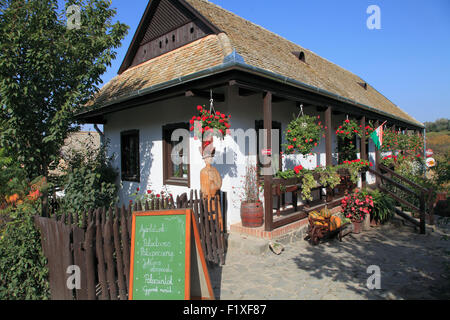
x=383, y=206
x=23, y=271
x=90, y=180
x=356, y=205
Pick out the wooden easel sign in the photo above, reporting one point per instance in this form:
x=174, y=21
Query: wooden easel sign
x=167, y=261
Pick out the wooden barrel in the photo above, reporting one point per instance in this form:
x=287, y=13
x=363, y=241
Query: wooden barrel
x=252, y=214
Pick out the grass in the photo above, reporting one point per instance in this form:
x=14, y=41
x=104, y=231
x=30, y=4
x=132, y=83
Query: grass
x=439, y=142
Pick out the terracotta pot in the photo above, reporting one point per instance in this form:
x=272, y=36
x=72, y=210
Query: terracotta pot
x=252, y=214
x=357, y=227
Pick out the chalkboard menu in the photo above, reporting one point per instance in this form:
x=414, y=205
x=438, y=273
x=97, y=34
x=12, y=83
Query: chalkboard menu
x=160, y=255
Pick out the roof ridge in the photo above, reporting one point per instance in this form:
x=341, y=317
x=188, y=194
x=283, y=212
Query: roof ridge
x=277, y=35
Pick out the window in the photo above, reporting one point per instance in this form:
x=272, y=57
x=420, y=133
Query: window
x=176, y=173
x=129, y=150
x=300, y=55
x=276, y=159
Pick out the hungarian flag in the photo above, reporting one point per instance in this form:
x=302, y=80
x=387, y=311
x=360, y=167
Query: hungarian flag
x=377, y=136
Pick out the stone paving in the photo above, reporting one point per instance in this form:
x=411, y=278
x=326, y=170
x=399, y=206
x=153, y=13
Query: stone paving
x=413, y=266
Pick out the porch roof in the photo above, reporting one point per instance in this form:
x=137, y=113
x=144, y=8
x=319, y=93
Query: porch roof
x=254, y=47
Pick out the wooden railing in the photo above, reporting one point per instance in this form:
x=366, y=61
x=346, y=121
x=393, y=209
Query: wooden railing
x=424, y=196
x=286, y=213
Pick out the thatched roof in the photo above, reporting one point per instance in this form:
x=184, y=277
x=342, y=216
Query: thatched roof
x=259, y=48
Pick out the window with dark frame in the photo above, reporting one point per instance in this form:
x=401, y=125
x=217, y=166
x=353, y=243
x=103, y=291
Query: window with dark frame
x=129, y=151
x=175, y=174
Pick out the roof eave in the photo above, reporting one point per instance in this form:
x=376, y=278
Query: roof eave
x=237, y=64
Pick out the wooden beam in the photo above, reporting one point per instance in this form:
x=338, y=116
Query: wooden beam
x=328, y=136
x=268, y=198
x=377, y=159
x=205, y=95
x=362, y=148
x=276, y=99
x=363, y=138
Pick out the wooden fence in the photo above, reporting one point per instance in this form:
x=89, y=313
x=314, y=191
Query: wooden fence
x=98, y=243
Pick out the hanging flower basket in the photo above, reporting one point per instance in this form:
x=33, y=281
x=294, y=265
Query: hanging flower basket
x=348, y=130
x=302, y=135
x=210, y=123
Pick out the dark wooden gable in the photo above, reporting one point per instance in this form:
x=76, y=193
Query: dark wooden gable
x=165, y=26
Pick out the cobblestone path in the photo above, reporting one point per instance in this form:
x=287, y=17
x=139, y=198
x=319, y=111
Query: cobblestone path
x=413, y=266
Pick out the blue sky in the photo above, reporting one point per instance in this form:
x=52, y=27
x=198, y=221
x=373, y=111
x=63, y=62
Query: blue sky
x=408, y=60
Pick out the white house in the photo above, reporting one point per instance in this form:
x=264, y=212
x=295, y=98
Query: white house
x=184, y=50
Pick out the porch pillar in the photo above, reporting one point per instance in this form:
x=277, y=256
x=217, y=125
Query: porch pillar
x=362, y=147
x=268, y=198
x=377, y=159
x=328, y=136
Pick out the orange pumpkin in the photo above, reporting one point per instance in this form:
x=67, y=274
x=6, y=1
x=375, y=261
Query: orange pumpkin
x=335, y=223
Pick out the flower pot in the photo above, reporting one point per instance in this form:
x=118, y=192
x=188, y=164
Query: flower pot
x=252, y=214
x=366, y=222
x=357, y=226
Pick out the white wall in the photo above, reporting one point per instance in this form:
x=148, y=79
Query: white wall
x=149, y=120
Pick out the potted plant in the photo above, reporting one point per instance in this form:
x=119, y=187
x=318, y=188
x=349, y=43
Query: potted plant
x=252, y=212
x=383, y=207
x=329, y=178
x=355, y=207
x=307, y=180
x=209, y=123
x=302, y=134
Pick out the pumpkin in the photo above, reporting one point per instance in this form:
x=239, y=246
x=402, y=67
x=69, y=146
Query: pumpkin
x=325, y=213
x=315, y=215
x=335, y=223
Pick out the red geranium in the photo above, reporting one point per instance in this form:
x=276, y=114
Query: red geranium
x=297, y=169
x=210, y=123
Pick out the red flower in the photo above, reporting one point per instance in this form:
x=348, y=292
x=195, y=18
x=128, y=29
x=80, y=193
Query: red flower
x=347, y=121
x=199, y=108
x=297, y=169
x=149, y=191
x=137, y=188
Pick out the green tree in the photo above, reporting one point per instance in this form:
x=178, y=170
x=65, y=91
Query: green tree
x=48, y=72
x=441, y=124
